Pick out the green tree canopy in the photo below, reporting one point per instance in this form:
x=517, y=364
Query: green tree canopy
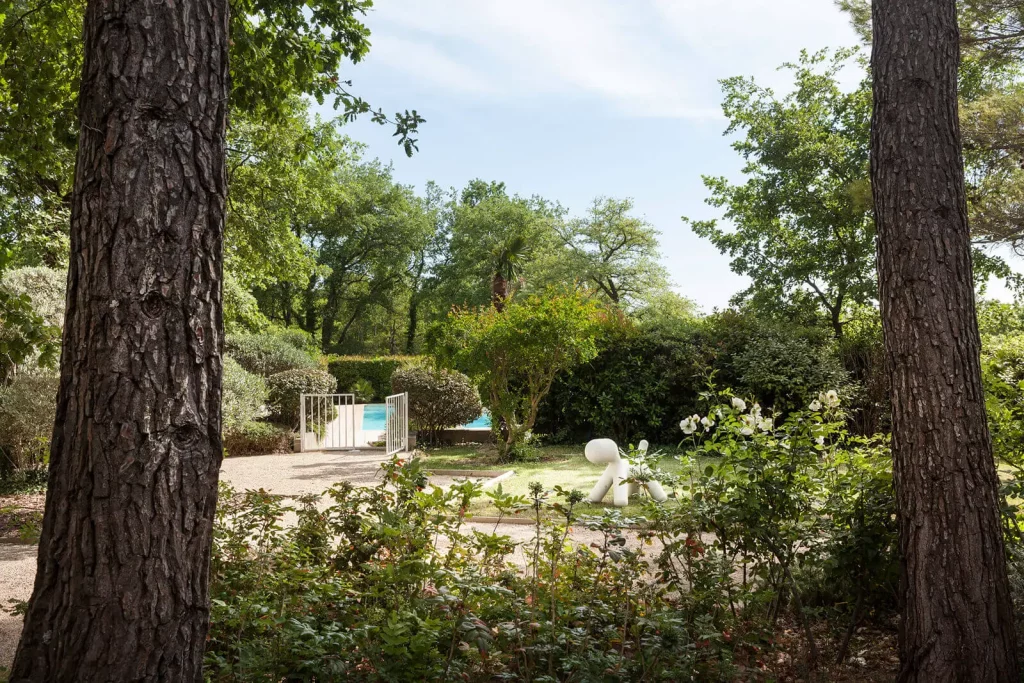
x=614, y=252
x=516, y=354
x=802, y=227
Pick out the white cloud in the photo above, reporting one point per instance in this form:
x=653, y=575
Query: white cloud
x=426, y=63
x=642, y=57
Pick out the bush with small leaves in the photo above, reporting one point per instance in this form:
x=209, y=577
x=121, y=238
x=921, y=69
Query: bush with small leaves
x=267, y=354
x=28, y=406
x=286, y=388
x=438, y=399
x=244, y=396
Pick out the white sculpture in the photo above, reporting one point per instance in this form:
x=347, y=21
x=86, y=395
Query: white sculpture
x=606, y=452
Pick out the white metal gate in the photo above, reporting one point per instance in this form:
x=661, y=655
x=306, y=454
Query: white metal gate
x=396, y=422
x=327, y=422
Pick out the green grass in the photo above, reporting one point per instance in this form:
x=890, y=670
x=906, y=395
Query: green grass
x=563, y=466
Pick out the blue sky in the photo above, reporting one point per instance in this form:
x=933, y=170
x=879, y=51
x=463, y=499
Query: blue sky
x=574, y=99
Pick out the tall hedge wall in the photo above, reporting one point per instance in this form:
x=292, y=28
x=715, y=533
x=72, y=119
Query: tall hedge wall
x=376, y=370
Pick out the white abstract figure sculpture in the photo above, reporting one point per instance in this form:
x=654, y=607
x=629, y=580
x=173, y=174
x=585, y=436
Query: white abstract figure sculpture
x=606, y=452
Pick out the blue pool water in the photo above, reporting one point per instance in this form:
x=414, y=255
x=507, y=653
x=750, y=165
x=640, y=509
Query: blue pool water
x=374, y=419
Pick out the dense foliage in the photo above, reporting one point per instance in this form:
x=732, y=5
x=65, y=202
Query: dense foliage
x=790, y=520
x=377, y=371
x=245, y=396
x=267, y=354
x=438, y=399
x=28, y=406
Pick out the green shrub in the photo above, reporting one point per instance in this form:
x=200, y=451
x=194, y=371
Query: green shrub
x=286, y=388
x=300, y=339
x=515, y=355
x=348, y=370
x=781, y=369
x=634, y=388
x=245, y=396
x=256, y=438
x=438, y=399
x=266, y=354
x=28, y=407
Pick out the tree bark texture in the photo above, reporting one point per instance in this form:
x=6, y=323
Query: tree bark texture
x=957, y=619
x=121, y=592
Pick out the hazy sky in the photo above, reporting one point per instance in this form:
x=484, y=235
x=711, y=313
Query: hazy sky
x=574, y=99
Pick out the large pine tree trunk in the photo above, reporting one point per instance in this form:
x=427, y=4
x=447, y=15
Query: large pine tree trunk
x=957, y=621
x=121, y=592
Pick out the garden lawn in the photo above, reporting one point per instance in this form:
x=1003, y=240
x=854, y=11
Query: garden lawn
x=563, y=466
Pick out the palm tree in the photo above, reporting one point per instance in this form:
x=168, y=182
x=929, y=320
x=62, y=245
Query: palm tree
x=509, y=260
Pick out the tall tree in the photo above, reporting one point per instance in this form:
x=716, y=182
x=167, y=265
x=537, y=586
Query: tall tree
x=957, y=620
x=121, y=590
x=614, y=252
x=498, y=243
x=803, y=228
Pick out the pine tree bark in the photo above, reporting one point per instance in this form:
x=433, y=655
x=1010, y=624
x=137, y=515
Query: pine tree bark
x=121, y=591
x=957, y=619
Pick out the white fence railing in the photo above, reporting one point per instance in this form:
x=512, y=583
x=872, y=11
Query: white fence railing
x=397, y=423
x=327, y=422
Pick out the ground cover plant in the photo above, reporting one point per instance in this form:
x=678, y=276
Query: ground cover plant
x=775, y=536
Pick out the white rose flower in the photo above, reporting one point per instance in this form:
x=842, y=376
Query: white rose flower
x=815, y=405
x=756, y=410
x=746, y=431
x=820, y=441
x=832, y=398
x=738, y=403
x=765, y=425
x=707, y=422
x=688, y=426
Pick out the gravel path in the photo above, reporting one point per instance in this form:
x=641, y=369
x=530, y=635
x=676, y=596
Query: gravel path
x=17, y=572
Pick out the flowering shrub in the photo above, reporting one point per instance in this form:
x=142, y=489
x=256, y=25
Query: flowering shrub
x=800, y=508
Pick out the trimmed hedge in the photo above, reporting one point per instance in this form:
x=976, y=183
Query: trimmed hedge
x=348, y=370
x=285, y=388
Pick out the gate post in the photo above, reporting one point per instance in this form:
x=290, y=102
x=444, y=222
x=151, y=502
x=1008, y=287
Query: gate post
x=302, y=423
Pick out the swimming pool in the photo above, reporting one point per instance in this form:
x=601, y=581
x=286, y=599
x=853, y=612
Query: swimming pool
x=374, y=419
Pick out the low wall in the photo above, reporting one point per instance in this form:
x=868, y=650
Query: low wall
x=451, y=437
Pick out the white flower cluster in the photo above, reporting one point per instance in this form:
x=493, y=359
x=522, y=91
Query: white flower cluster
x=689, y=424
x=751, y=421
x=830, y=399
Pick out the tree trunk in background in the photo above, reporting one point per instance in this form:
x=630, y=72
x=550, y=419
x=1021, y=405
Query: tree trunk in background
x=414, y=319
x=957, y=621
x=121, y=592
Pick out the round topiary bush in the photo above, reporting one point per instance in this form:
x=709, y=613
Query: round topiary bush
x=245, y=396
x=267, y=354
x=286, y=387
x=438, y=399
